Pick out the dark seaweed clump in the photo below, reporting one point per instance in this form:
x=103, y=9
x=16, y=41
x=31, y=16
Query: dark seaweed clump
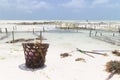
x=113, y=66
x=116, y=52
x=63, y=55
x=80, y=59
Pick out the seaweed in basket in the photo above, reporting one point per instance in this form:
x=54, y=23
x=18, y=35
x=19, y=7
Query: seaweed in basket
x=35, y=54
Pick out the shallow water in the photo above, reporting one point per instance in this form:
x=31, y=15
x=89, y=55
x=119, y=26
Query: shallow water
x=65, y=39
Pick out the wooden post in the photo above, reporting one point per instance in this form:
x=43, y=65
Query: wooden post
x=6, y=30
x=77, y=29
x=40, y=36
x=110, y=76
x=43, y=29
x=0, y=30
x=68, y=28
x=113, y=34
x=33, y=30
x=90, y=32
x=13, y=36
x=119, y=30
x=85, y=26
x=101, y=34
x=96, y=33
x=94, y=27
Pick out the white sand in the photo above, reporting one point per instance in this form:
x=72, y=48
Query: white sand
x=12, y=62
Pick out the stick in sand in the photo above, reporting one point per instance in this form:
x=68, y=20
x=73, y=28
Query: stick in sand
x=40, y=36
x=92, y=52
x=13, y=36
x=96, y=33
x=113, y=67
x=0, y=30
x=84, y=52
x=33, y=30
x=43, y=29
x=90, y=33
x=111, y=75
x=6, y=30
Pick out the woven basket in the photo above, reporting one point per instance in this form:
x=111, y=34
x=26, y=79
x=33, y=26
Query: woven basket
x=35, y=54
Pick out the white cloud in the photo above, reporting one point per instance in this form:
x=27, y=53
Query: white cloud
x=91, y=4
x=34, y=5
x=105, y=4
x=26, y=5
x=75, y=4
x=4, y=3
x=97, y=2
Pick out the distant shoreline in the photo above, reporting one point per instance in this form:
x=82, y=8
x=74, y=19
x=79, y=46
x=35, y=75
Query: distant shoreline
x=67, y=24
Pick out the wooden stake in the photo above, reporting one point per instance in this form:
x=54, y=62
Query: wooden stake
x=90, y=33
x=101, y=34
x=0, y=30
x=96, y=33
x=13, y=36
x=33, y=30
x=77, y=29
x=6, y=30
x=110, y=76
x=68, y=29
x=119, y=30
x=40, y=36
x=90, y=52
x=84, y=52
x=113, y=34
x=43, y=29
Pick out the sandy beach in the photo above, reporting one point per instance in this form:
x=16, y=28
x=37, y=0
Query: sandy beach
x=12, y=60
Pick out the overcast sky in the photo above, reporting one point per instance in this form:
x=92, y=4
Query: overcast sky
x=59, y=9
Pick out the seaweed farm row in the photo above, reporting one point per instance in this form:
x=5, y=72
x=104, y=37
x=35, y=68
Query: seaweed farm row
x=111, y=37
x=106, y=36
